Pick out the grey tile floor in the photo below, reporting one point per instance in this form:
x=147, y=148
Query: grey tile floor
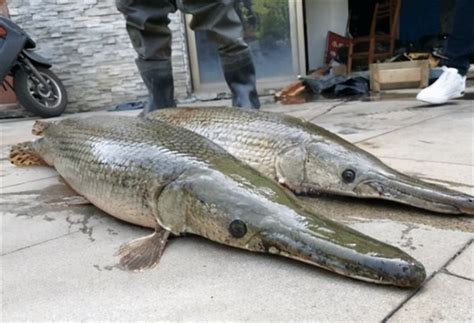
x=57, y=261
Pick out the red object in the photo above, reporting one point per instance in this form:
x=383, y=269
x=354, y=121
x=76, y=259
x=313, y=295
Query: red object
x=334, y=42
x=3, y=32
x=7, y=96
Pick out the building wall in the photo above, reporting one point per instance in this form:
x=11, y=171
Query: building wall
x=90, y=50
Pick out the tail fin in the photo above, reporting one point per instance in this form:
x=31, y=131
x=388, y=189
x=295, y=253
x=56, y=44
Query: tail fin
x=24, y=154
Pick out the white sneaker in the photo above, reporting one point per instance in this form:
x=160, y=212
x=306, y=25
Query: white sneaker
x=450, y=85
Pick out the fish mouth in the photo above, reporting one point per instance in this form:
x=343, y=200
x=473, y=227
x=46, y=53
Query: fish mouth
x=414, y=192
x=347, y=252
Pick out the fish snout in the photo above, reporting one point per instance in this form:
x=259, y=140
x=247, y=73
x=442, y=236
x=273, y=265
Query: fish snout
x=415, y=192
x=405, y=273
x=365, y=259
x=402, y=272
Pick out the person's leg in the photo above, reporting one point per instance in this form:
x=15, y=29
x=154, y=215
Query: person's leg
x=461, y=41
x=223, y=26
x=452, y=83
x=147, y=25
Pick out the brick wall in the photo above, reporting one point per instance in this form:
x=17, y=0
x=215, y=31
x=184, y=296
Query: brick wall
x=87, y=42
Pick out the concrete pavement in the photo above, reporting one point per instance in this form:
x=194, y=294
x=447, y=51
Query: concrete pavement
x=57, y=261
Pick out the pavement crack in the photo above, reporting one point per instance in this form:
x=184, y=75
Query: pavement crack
x=447, y=272
x=441, y=270
x=38, y=244
x=328, y=110
x=27, y=182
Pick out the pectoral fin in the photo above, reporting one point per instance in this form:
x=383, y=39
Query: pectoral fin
x=24, y=154
x=143, y=253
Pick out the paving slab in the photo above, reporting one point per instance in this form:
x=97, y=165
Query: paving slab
x=57, y=260
x=39, y=211
x=16, y=131
x=431, y=140
x=356, y=121
x=463, y=265
x=73, y=278
x=418, y=240
x=13, y=176
x=443, y=299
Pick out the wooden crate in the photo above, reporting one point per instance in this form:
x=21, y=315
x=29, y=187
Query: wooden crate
x=400, y=75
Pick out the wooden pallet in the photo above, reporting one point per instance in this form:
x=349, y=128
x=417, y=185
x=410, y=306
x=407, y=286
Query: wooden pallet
x=400, y=75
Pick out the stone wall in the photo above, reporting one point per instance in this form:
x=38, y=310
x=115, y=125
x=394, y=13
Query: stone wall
x=87, y=42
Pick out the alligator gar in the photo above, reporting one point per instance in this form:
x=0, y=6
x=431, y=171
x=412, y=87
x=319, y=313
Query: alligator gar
x=172, y=180
x=309, y=159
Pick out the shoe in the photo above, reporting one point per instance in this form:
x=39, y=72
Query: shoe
x=450, y=85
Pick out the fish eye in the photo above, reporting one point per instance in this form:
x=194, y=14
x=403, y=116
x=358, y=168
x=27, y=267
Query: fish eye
x=348, y=176
x=238, y=229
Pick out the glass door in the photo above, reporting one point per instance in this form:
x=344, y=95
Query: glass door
x=274, y=31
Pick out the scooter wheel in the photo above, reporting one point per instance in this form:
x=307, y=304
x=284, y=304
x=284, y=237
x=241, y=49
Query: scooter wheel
x=43, y=101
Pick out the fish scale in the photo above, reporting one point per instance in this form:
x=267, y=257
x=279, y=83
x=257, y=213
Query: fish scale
x=101, y=174
x=255, y=139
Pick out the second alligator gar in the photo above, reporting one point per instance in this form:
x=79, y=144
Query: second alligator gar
x=168, y=178
x=309, y=159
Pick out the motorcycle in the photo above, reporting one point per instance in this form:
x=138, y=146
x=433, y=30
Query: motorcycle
x=37, y=88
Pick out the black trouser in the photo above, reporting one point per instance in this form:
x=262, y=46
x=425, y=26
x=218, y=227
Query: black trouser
x=147, y=25
x=461, y=41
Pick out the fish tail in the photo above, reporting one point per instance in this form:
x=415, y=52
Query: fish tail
x=24, y=154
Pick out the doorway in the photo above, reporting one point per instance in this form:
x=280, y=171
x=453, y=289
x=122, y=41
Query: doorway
x=274, y=30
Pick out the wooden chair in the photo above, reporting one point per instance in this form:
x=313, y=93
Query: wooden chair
x=387, y=11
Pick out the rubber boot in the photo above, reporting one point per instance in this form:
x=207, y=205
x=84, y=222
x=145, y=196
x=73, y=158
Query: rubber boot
x=239, y=73
x=161, y=90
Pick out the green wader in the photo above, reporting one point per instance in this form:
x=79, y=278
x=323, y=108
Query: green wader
x=147, y=25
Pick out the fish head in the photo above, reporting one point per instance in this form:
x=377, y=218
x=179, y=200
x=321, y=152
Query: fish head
x=338, y=167
x=262, y=217
x=326, y=244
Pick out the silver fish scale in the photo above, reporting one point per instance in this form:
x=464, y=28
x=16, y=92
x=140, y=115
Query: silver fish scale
x=118, y=163
x=253, y=137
